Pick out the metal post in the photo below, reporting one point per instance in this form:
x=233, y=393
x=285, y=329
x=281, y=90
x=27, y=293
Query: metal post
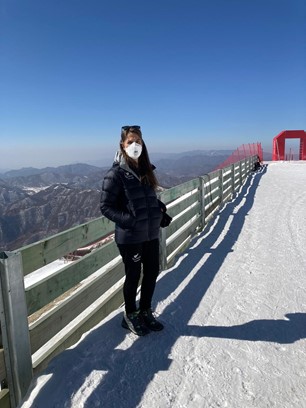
x=14, y=326
x=277, y=148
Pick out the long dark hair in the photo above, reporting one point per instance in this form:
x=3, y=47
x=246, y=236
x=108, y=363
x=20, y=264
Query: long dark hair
x=145, y=167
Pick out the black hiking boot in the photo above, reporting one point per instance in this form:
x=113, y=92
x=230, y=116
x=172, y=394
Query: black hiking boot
x=134, y=322
x=150, y=320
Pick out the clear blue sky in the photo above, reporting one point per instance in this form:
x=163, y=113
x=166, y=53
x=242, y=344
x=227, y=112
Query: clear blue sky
x=195, y=74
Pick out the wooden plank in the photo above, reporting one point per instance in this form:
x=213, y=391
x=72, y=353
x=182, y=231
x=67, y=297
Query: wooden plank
x=182, y=247
x=211, y=209
x=45, y=291
x=213, y=190
x=43, y=329
x=189, y=231
x=175, y=192
x=211, y=196
x=2, y=366
x=227, y=196
x=237, y=185
x=226, y=185
x=237, y=176
x=182, y=205
x=5, y=398
x=215, y=183
x=227, y=178
x=226, y=188
x=211, y=181
x=43, y=252
x=183, y=219
x=209, y=189
x=227, y=175
x=237, y=180
x=212, y=175
x=94, y=317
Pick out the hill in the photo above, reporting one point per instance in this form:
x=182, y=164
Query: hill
x=35, y=203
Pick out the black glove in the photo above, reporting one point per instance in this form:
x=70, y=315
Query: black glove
x=162, y=206
x=165, y=221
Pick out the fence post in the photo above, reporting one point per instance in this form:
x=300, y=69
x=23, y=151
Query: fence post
x=162, y=249
x=202, y=198
x=250, y=164
x=14, y=326
x=221, y=186
x=233, y=179
x=240, y=173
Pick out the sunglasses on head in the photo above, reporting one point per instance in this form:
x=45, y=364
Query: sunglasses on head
x=136, y=127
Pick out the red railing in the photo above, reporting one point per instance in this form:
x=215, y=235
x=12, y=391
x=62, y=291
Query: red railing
x=244, y=151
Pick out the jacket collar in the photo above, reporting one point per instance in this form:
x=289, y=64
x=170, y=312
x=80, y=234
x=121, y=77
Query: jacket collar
x=119, y=159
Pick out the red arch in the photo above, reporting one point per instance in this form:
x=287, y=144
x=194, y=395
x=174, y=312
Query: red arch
x=279, y=143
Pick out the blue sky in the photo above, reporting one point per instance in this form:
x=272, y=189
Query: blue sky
x=195, y=74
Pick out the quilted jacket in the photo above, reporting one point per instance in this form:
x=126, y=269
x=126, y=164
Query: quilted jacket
x=134, y=207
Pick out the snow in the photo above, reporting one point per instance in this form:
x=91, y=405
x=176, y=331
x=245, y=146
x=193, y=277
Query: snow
x=44, y=272
x=234, y=309
x=34, y=190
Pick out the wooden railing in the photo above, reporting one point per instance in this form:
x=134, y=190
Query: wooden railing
x=42, y=318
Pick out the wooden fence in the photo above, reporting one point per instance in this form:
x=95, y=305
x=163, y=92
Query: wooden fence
x=41, y=319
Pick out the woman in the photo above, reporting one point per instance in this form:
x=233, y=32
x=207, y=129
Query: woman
x=129, y=199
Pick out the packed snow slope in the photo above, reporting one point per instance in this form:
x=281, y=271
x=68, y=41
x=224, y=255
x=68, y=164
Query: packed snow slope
x=234, y=309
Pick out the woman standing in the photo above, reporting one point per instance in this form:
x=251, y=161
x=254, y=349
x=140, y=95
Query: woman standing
x=129, y=199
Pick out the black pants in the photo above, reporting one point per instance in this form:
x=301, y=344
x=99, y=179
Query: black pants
x=133, y=255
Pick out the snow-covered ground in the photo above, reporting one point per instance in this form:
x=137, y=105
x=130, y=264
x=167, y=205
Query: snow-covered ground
x=234, y=309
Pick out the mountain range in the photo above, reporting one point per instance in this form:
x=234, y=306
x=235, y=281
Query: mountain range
x=37, y=203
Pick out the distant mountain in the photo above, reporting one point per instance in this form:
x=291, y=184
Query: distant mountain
x=75, y=169
x=36, y=203
x=190, y=165
x=207, y=153
x=267, y=156
x=49, y=211
x=9, y=194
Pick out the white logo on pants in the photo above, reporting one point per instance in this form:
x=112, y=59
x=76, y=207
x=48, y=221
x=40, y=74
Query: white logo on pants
x=136, y=258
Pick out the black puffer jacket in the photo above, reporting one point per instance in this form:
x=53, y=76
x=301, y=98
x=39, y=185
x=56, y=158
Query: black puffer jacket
x=134, y=207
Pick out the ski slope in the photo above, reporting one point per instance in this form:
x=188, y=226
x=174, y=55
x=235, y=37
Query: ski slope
x=234, y=309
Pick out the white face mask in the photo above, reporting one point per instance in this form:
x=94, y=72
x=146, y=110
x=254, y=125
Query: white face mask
x=133, y=150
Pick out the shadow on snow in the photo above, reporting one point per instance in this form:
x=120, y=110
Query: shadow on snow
x=284, y=331
x=125, y=374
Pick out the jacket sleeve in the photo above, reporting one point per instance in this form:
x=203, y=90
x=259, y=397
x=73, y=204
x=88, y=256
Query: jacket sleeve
x=112, y=188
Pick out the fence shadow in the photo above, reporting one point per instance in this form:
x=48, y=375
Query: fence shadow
x=111, y=376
